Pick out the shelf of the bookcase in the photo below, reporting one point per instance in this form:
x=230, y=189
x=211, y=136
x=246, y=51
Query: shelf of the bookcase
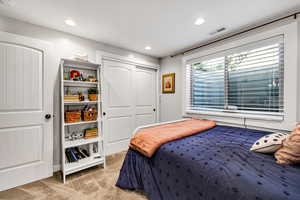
x=80, y=64
x=81, y=122
x=80, y=83
x=79, y=102
x=79, y=142
x=83, y=164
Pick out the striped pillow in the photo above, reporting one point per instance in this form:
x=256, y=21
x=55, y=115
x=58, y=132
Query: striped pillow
x=289, y=153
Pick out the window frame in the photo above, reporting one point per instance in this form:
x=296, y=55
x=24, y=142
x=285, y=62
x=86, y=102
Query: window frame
x=224, y=54
x=291, y=92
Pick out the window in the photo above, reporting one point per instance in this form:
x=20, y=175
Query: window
x=246, y=79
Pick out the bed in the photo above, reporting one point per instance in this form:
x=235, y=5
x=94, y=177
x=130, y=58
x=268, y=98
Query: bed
x=211, y=165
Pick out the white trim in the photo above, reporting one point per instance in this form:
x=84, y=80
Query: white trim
x=158, y=92
x=124, y=59
x=291, y=39
x=237, y=115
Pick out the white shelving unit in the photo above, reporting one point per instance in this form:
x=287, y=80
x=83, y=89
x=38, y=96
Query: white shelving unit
x=95, y=158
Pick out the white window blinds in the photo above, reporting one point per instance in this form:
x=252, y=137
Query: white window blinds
x=247, y=79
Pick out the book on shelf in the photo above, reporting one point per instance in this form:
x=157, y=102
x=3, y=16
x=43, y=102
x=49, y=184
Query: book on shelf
x=80, y=153
x=90, y=133
x=85, y=152
x=70, y=156
x=76, y=153
x=91, y=136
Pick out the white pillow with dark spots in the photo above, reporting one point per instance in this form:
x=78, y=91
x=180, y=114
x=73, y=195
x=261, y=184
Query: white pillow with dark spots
x=269, y=143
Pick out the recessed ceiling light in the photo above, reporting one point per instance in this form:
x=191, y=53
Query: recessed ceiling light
x=148, y=48
x=70, y=22
x=199, y=21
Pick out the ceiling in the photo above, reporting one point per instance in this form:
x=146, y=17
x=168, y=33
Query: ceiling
x=165, y=25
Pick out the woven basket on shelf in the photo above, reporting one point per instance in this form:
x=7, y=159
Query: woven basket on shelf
x=90, y=115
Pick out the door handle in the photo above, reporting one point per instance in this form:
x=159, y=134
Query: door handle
x=48, y=116
x=154, y=109
x=104, y=113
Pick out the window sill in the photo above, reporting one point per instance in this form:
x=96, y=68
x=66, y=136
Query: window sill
x=233, y=114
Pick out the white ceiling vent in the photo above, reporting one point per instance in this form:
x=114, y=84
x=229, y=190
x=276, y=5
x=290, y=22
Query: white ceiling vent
x=8, y=2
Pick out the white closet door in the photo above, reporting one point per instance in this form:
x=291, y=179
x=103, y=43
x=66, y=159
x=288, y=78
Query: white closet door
x=118, y=105
x=129, y=102
x=25, y=135
x=145, y=95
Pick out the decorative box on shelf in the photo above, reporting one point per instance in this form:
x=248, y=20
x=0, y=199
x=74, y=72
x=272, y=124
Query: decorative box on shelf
x=90, y=133
x=71, y=97
x=72, y=116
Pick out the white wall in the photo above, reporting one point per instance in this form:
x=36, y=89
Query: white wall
x=171, y=103
x=65, y=45
x=169, y=64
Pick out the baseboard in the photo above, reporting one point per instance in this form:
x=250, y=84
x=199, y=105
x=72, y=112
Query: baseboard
x=117, y=147
x=56, y=168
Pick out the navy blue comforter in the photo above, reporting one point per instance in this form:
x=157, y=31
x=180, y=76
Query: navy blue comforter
x=212, y=165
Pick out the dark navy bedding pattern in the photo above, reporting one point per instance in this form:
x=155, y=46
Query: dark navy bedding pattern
x=213, y=165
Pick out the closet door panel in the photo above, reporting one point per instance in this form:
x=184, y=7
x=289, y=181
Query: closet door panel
x=145, y=83
x=118, y=105
x=144, y=119
x=120, y=132
x=119, y=85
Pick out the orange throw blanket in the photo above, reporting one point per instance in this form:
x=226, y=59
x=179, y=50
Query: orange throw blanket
x=148, y=140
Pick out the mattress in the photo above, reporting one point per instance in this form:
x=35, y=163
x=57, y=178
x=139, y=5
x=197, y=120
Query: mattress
x=214, y=164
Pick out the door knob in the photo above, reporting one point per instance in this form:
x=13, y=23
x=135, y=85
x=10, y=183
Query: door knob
x=154, y=109
x=47, y=116
x=104, y=113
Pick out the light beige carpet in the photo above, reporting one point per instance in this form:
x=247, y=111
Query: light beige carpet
x=91, y=184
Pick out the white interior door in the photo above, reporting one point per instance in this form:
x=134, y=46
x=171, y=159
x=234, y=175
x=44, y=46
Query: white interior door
x=145, y=96
x=118, y=106
x=26, y=147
